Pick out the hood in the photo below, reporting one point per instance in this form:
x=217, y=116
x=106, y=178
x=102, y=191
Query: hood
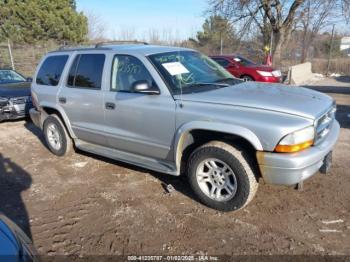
x=273, y=97
x=15, y=89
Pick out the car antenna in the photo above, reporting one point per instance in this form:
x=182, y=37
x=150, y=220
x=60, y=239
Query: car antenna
x=181, y=104
x=178, y=55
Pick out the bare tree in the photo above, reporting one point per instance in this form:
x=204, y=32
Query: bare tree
x=277, y=16
x=314, y=16
x=96, y=26
x=153, y=36
x=126, y=33
x=170, y=36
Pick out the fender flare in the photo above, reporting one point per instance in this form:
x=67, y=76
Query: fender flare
x=63, y=115
x=185, y=129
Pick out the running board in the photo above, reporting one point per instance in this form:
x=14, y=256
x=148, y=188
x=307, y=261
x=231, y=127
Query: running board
x=137, y=160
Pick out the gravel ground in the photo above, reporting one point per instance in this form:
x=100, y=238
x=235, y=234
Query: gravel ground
x=85, y=204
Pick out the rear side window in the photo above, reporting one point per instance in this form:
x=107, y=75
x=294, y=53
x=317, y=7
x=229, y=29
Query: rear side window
x=86, y=71
x=51, y=70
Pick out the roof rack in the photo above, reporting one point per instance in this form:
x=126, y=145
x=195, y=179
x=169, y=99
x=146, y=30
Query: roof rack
x=118, y=42
x=68, y=47
x=100, y=45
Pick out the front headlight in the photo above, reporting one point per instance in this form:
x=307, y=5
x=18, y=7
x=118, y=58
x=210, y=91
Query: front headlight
x=297, y=141
x=264, y=73
x=277, y=73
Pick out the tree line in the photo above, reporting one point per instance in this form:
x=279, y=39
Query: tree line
x=32, y=21
x=276, y=20
x=230, y=24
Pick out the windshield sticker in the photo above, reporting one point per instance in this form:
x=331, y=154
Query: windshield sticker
x=237, y=59
x=175, y=68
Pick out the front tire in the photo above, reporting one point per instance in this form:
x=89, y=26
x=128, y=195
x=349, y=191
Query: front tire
x=56, y=136
x=222, y=176
x=247, y=78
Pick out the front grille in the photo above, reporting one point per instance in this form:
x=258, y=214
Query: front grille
x=21, y=100
x=324, y=124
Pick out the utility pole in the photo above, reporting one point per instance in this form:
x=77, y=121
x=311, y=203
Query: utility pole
x=271, y=42
x=330, y=51
x=10, y=52
x=221, y=43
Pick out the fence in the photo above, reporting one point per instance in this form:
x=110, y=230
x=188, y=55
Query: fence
x=338, y=65
x=25, y=57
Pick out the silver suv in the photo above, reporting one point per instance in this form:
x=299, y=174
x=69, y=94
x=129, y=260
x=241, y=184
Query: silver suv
x=176, y=111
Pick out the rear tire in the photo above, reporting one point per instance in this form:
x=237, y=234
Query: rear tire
x=226, y=168
x=56, y=136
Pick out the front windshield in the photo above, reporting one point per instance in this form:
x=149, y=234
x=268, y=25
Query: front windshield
x=190, y=71
x=9, y=76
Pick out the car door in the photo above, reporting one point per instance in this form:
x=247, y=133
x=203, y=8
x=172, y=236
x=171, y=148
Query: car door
x=137, y=122
x=236, y=67
x=81, y=97
x=228, y=65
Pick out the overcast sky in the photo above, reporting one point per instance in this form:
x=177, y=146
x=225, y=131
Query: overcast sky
x=182, y=17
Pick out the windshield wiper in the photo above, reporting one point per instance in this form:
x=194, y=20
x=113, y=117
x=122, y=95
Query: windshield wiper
x=206, y=84
x=227, y=79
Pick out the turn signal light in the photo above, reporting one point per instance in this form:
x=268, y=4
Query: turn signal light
x=293, y=148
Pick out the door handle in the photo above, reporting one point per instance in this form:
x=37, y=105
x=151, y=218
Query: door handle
x=62, y=100
x=110, y=106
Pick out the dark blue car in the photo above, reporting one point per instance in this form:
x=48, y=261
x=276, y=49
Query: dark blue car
x=15, y=98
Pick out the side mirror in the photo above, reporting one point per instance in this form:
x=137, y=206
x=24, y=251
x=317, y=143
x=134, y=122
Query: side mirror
x=143, y=86
x=29, y=79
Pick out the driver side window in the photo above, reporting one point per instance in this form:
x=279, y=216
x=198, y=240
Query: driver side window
x=126, y=71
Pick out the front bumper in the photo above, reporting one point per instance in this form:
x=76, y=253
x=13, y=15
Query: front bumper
x=290, y=169
x=17, y=111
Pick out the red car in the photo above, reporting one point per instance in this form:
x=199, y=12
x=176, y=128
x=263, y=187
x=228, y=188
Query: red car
x=241, y=67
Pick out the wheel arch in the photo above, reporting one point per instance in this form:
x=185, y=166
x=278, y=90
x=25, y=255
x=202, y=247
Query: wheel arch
x=245, y=74
x=48, y=109
x=194, y=134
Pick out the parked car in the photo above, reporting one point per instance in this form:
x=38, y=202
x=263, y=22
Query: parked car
x=15, y=98
x=15, y=246
x=246, y=69
x=176, y=111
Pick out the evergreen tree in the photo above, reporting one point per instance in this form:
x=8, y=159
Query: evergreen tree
x=30, y=21
x=215, y=29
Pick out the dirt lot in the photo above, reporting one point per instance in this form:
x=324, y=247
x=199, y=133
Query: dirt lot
x=85, y=204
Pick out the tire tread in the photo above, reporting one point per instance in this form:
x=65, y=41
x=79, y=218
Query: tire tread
x=247, y=166
x=69, y=144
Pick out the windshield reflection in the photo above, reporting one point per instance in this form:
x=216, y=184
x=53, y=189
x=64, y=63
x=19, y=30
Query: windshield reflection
x=190, y=71
x=10, y=76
